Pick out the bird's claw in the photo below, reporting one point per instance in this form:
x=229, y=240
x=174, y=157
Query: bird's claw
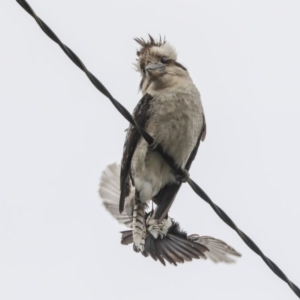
x=184, y=177
x=153, y=145
x=158, y=229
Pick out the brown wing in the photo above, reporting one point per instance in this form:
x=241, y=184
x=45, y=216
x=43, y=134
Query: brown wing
x=141, y=115
x=195, y=150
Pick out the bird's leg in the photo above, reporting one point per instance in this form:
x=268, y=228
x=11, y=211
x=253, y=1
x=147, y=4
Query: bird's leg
x=138, y=224
x=184, y=177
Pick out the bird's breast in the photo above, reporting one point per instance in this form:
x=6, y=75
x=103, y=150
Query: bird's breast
x=175, y=122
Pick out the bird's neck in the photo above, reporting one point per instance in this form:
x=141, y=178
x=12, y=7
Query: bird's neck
x=167, y=82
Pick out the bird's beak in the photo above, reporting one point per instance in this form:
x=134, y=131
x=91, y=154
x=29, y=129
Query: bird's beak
x=155, y=70
x=154, y=67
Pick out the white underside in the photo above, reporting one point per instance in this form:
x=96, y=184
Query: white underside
x=151, y=174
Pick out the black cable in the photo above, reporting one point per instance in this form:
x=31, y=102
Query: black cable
x=159, y=149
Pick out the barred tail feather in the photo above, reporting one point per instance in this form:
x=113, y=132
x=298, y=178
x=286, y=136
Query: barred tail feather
x=138, y=225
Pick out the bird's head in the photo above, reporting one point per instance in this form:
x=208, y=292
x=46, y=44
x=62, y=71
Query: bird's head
x=157, y=64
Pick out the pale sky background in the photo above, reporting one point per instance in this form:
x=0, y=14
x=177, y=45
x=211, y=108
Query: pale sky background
x=58, y=133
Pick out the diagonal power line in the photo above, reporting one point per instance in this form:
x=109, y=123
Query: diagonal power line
x=99, y=86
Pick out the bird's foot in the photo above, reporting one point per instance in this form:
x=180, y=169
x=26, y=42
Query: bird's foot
x=184, y=177
x=159, y=229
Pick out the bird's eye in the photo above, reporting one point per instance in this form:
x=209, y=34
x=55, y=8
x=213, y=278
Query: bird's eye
x=163, y=60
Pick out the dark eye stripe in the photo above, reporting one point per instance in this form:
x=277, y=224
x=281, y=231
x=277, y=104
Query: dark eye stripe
x=141, y=83
x=142, y=66
x=180, y=65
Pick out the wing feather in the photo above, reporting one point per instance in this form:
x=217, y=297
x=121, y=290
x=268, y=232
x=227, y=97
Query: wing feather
x=173, y=252
x=219, y=251
x=179, y=249
x=141, y=115
x=190, y=246
x=169, y=257
x=109, y=191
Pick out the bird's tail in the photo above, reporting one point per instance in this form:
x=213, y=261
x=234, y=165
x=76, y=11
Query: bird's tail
x=138, y=225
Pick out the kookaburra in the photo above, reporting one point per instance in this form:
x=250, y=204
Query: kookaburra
x=169, y=243
x=171, y=112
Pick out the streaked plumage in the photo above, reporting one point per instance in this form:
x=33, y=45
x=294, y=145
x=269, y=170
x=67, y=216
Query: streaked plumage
x=175, y=246
x=171, y=112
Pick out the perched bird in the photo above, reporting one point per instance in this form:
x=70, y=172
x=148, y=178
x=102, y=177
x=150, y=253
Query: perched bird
x=172, y=245
x=171, y=112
